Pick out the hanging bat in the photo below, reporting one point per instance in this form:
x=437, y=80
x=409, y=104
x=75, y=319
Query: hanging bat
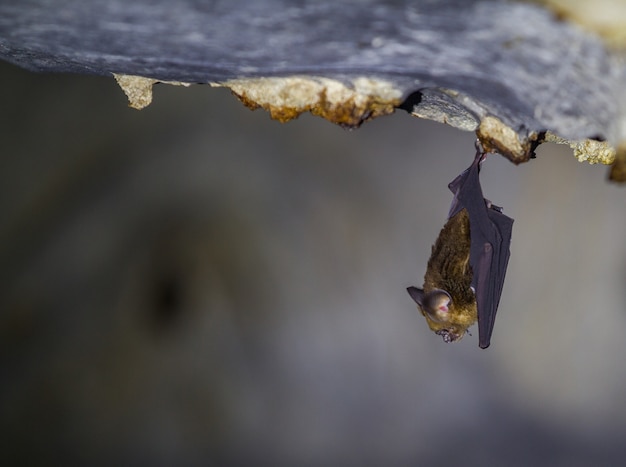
x=465, y=273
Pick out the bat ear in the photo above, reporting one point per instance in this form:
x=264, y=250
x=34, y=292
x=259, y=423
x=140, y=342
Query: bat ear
x=416, y=294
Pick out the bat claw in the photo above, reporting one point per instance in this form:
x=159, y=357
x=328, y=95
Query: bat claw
x=490, y=205
x=481, y=155
x=479, y=146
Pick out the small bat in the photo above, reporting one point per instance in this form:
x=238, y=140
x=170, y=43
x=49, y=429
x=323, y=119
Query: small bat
x=465, y=273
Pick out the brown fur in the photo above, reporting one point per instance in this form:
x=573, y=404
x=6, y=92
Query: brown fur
x=449, y=269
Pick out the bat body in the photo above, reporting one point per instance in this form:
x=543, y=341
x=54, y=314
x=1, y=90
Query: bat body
x=465, y=273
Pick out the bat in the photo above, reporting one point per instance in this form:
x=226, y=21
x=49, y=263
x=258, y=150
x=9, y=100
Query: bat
x=466, y=270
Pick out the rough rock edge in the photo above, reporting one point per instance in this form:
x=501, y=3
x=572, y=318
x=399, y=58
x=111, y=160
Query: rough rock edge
x=285, y=98
x=139, y=89
x=591, y=151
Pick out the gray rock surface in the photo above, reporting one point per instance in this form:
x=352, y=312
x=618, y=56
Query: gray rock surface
x=471, y=59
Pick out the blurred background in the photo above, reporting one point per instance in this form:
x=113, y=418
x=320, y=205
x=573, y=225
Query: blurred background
x=196, y=284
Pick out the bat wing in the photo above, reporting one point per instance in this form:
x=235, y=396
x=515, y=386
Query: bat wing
x=490, y=238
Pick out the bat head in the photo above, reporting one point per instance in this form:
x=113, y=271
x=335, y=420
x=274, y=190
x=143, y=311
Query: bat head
x=442, y=315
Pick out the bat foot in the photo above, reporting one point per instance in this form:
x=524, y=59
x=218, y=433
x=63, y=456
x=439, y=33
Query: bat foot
x=481, y=155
